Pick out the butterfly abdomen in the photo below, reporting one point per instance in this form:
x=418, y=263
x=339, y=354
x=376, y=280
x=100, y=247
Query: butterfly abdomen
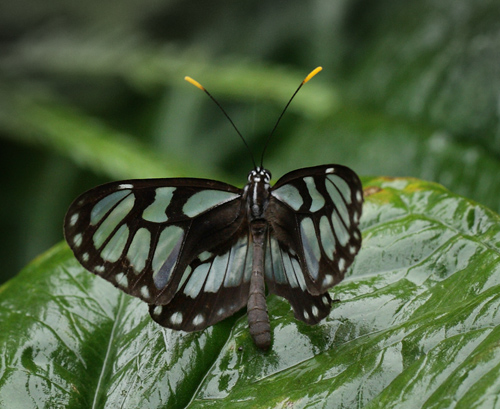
x=258, y=318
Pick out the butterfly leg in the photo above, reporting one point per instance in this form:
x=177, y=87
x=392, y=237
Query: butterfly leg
x=258, y=318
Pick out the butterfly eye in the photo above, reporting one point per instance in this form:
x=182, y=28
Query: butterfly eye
x=251, y=175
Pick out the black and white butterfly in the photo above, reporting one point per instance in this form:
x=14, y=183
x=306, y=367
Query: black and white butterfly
x=199, y=250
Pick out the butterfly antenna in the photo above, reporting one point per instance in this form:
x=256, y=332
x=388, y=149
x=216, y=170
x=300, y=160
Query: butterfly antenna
x=198, y=85
x=311, y=74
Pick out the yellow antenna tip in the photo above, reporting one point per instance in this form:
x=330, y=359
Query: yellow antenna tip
x=196, y=83
x=312, y=74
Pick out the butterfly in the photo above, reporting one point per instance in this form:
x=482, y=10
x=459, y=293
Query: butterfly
x=199, y=250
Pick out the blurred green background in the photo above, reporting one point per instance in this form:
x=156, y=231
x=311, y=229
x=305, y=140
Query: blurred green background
x=93, y=91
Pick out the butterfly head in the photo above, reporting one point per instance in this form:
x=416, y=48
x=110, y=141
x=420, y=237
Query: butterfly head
x=259, y=174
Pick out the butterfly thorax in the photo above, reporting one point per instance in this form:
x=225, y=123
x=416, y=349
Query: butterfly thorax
x=256, y=193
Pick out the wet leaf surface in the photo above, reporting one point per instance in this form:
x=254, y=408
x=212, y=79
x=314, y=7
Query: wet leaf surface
x=417, y=325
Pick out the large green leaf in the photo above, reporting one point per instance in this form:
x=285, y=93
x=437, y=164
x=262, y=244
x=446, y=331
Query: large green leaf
x=416, y=326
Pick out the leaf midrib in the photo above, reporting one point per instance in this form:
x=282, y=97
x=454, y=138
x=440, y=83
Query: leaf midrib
x=109, y=353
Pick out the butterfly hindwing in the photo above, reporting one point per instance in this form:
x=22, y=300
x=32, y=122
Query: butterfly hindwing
x=154, y=238
x=285, y=277
x=313, y=215
x=212, y=288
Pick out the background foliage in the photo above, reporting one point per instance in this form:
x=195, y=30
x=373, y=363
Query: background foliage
x=92, y=91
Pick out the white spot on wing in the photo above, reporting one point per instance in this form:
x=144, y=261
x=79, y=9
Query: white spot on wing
x=290, y=274
x=289, y=195
x=327, y=237
x=341, y=264
x=356, y=217
x=185, y=276
x=114, y=249
x=328, y=281
x=138, y=250
x=318, y=201
x=342, y=186
x=145, y=291
x=204, y=256
x=311, y=246
x=299, y=274
x=338, y=201
x=158, y=309
x=73, y=219
x=306, y=315
x=330, y=170
x=121, y=280
x=199, y=319
x=196, y=280
x=77, y=240
x=112, y=220
x=156, y=211
x=176, y=318
x=166, y=253
x=85, y=256
x=359, y=196
x=325, y=300
x=315, y=311
x=125, y=186
x=205, y=200
x=339, y=229
x=105, y=205
x=99, y=269
x=274, y=267
x=236, y=266
x=217, y=273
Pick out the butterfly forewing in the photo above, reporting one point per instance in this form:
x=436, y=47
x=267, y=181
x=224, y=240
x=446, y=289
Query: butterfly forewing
x=154, y=238
x=313, y=215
